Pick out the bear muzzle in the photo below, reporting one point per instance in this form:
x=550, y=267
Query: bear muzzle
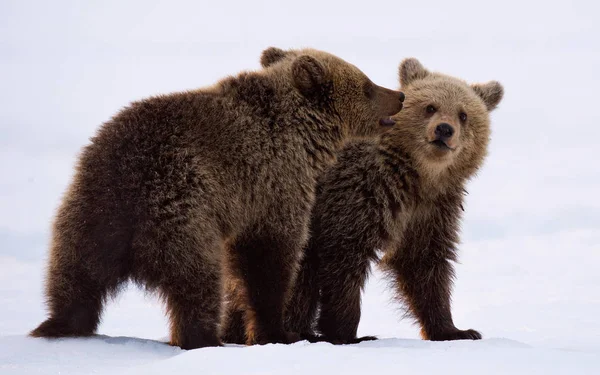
x=443, y=136
x=392, y=103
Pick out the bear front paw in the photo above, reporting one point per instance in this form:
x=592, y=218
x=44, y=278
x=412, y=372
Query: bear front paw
x=456, y=334
x=361, y=339
x=341, y=341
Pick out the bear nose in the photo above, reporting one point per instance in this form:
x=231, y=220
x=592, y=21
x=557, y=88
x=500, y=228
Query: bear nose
x=444, y=131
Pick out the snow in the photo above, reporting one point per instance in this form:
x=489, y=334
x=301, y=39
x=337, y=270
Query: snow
x=124, y=355
x=528, y=275
x=538, y=313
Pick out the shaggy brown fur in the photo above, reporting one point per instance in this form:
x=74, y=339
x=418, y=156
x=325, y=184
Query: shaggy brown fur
x=239, y=321
x=402, y=194
x=168, y=181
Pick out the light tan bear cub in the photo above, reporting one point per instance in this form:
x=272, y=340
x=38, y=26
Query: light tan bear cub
x=402, y=194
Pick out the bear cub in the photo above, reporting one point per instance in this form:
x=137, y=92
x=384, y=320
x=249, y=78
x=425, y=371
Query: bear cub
x=402, y=194
x=172, y=185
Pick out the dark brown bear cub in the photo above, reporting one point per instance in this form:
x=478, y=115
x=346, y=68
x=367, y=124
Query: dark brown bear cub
x=168, y=183
x=402, y=194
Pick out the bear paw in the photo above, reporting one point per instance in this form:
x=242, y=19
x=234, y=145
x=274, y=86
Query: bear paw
x=341, y=341
x=456, y=334
x=361, y=339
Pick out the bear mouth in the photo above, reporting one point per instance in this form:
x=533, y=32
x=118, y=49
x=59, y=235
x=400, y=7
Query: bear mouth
x=441, y=145
x=387, y=122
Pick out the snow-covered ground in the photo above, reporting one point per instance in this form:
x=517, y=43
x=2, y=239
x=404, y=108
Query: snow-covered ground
x=529, y=276
x=538, y=315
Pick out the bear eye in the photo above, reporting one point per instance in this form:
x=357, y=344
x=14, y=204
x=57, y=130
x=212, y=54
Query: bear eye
x=462, y=116
x=430, y=109
x=368, y=89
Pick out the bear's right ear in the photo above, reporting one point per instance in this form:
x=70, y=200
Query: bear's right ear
x=491, y=93
x=308, y=74
x=411, y=70
x=271, y=55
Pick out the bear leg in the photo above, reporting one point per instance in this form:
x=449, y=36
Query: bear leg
x=75, y=302
x=191, y=285
x=435, y=313
x=194, y=319
x=89, y=260
x=301, y=311
x=233, y=328
x=425, y=286
x=178, y=250
x=341, y=283
x=267, y=262
x=423, y=271
x=431, y=301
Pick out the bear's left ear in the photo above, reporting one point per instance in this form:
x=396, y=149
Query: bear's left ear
x=411, y=70
x=491, y=93
x=309, y=74
x=271, y=55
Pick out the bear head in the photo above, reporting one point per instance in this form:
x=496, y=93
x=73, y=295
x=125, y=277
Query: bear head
x=339, y=87
x=445, y=122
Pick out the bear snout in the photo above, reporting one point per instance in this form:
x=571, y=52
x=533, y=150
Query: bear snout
x=443, y=136
x=443, y=132
x=389, y=102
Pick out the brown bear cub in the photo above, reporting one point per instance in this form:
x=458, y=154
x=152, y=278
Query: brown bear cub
x=170, y=182
x=402, y=194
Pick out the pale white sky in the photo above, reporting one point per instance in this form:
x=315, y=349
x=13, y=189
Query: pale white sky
x=67, y=66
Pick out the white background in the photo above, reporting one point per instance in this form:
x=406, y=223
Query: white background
x=529, y=274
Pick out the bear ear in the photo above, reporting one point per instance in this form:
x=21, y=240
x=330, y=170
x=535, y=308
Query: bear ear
x=271, y=55
x=308, y=74
x=491, y=93
x=411, y=70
